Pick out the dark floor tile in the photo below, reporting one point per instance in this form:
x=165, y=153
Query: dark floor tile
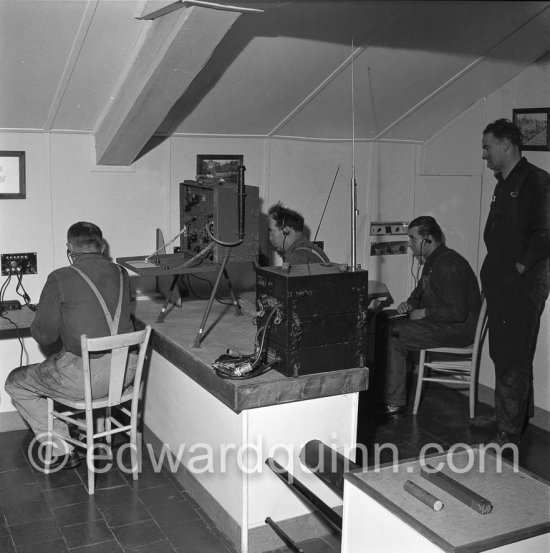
x=6, y=544
x=20, y=513
x=166, y=493
x=148, y=479
x=59, y=479
x=60, y=497
x=138, y=534
x=169, y=514
x=35, y=532
x=187, y=534
x=119, y=495
x=110, y=479
x=87, y=533
x=214, y=546
x=77, y=512
x=103, y=547
x=13, y=439
x=4, y=530
x=12, y=460
x=20, y=494
x=131, y=512
x=158, y=547
x=17, y=477
x=53, y=546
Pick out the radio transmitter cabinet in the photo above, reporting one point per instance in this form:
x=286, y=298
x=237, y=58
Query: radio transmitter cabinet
x=213, y=202
x=321, y=319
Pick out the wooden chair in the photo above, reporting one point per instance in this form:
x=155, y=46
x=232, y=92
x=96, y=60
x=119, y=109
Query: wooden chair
x=119, y=346
x=459, y=365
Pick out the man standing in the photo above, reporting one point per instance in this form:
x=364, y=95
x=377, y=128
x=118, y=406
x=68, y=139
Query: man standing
x=286, y=233
x=515, y=275
x=90, y=297
x=441, y=311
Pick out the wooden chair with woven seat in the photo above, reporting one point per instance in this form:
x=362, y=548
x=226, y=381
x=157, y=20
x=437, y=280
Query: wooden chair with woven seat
x=453, y=365
x=119, y=347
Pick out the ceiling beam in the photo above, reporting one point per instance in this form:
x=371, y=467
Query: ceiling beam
x=175, y=49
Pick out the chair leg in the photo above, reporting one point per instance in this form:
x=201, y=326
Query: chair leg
x=419, y=381
x=133, y=442
x=90, y=451
x=108, y=425
x=49, y=439
x=472, y=395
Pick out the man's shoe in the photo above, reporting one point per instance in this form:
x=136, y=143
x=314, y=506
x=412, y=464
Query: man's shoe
x=483, y=421
x=390, y=410
x=70, y=460
x=504, y=438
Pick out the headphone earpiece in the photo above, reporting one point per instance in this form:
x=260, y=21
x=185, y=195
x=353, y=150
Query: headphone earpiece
x=286, y=232
x=428, y=241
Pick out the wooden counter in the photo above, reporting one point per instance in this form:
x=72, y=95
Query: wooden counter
x=221, y=431
x=173, y=339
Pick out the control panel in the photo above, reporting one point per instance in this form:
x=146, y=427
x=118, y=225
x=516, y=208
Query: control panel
x=18, y=263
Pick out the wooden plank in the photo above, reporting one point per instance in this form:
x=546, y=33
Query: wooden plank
x=175, y=49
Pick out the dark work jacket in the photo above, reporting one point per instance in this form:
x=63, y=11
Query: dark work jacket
x=518, y=230
x=448, y=290
x=303, y=251
x=68, y=307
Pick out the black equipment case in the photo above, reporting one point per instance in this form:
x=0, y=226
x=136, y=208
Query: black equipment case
x=322, y=322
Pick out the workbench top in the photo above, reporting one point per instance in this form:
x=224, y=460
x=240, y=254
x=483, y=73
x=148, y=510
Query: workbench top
x=174, y=339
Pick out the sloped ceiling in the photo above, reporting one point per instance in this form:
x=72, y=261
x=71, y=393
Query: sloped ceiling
x=287, y=71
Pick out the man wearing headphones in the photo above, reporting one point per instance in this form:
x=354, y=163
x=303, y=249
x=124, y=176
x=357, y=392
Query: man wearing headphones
x=286, y=234
x=92, y=297
x=441, y=311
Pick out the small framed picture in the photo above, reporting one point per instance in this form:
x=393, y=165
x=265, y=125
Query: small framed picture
x=533, y=124
x=12, y=175
x=221, y=167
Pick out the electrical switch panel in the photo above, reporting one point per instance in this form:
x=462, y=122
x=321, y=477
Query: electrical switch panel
x=383, y=228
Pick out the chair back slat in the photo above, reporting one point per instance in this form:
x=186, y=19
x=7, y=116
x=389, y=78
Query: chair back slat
x=119, y=363
x=117, y=347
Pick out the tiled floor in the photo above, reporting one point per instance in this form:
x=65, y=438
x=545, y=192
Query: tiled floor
x=53, y=514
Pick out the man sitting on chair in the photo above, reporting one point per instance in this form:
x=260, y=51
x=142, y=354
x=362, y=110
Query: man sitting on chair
x=286, y=233
x=92, y=297
x=441, y=311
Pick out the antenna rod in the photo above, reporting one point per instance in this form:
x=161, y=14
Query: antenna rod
x=326, y=203
x=354, y=211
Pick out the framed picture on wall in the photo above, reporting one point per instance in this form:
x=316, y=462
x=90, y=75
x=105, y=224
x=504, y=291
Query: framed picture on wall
x=533, y=124
x=222, y=167
x=12, y=175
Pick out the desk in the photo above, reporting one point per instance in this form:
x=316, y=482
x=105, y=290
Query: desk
x=22, y=318
x=223, y=430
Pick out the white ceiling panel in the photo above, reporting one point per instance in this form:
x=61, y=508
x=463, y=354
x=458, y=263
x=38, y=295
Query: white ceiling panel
x=285, y=71
x=35, y=41
x=110, y=40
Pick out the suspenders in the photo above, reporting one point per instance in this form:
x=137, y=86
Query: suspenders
x=111, y=321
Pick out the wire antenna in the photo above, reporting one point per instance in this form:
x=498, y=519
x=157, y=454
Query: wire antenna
x=354, y=211
x=326, y=203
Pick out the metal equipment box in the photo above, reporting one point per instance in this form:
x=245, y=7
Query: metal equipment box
x=321, y=320
x=215, y=203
